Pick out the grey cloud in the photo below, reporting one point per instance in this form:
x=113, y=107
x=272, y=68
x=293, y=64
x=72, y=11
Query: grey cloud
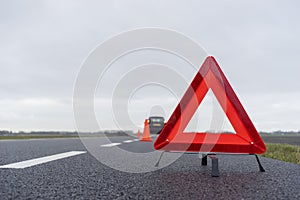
x=43, y=43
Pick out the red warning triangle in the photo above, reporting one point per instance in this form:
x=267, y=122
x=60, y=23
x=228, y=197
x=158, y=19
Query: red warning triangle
x=246, y=140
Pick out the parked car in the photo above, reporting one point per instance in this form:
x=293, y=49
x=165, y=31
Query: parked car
x=156, y=124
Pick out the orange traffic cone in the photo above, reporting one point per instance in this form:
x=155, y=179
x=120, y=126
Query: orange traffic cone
x=146, y=134
x=138, y=133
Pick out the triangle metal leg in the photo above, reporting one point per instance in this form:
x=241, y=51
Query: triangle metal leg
x=157, y=163
x=259, y=164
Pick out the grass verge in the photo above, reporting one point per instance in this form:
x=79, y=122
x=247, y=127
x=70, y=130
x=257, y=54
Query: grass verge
x=284, y=152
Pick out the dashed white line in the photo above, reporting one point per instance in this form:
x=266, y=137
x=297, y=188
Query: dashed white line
x=110, y=144
x=116, y=144
x=37, y=161
x=128, y=141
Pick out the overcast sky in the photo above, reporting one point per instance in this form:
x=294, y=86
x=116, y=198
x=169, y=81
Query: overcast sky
x=43, y=44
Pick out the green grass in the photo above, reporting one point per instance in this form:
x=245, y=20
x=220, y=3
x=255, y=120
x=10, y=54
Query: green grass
x=284, y=152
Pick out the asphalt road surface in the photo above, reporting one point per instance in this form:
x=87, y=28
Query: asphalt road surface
x=64, y=169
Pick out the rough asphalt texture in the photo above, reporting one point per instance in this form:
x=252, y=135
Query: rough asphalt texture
x=83, y=177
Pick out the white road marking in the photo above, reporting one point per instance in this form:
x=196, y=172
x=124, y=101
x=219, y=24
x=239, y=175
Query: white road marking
x=116, y=144
x=128, y=141
x=37, y=161
x=110, y=145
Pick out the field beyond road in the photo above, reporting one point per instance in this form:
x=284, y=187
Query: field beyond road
x=284, y=152
x=282, y=139
x=268, y=138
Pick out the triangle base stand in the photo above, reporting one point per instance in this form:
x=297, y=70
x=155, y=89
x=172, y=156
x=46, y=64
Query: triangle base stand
x=215, y=164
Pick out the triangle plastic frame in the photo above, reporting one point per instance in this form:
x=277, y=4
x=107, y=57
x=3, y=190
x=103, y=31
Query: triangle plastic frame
x=245, y=141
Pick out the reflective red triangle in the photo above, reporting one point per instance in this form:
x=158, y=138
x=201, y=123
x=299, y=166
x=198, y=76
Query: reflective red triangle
x=246, y=139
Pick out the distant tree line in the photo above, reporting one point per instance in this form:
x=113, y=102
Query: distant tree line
x=279, y=132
